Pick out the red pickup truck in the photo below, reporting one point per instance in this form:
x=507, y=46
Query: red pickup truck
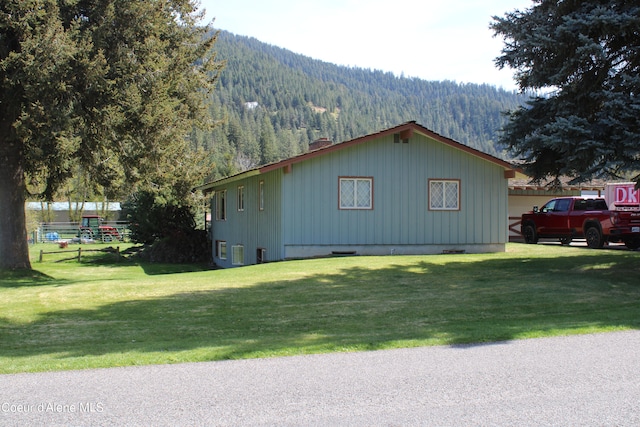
x=568, y=218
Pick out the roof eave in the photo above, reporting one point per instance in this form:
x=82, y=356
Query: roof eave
x=404, y=130
x=208, y=187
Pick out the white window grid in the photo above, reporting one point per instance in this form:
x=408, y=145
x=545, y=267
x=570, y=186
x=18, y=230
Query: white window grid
x=444, y=195
x=356, y=193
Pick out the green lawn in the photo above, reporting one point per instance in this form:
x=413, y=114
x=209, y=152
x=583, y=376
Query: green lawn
x=101, y=313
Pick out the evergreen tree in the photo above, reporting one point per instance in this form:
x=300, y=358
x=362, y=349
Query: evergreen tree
x=584, y=58
x=295, y=91
x=251, y=146
x=113, y=85
x=268, y=149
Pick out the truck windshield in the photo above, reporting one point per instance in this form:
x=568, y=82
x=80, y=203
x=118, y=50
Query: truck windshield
x=557, y=205
x=549, y=206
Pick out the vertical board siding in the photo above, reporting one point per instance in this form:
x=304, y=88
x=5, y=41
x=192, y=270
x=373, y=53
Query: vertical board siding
x=400, y=175
x=268, y=221
x=251, y=228
x=302, y=206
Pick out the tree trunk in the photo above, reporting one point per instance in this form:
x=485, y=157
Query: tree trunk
x=14, y=248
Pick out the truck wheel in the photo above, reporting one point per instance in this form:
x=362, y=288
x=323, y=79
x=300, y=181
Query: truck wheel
x=107, y=238
x=594, y=238
x=632, y=243
x=530, y=235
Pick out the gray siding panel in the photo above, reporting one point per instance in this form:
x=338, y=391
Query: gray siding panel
x=251, y=228
x=302, y=215
x=400, y=180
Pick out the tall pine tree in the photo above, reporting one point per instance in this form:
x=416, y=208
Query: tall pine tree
x=583, y=57
x=268, y=149
x=112, y=85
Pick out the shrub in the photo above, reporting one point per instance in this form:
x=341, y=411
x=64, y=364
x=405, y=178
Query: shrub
x=190, y=247
x=151, y=219
x=167, y=229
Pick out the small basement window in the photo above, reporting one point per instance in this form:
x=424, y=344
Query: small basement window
x=221, y=249
x=237, y=255
x=261, y=255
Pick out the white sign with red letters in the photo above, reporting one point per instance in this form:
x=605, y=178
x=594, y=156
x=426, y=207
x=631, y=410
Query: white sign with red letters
x=620, y=195
x=626, y=195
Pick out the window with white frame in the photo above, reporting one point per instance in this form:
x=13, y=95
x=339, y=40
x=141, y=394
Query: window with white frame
x=222, y=249
x=241, y=198
x=356, y=193
x=261, y=195
x=444, y=195
x=221, y=205
x=237, y=255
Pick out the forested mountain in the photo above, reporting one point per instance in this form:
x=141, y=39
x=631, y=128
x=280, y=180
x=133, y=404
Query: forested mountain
x=270, y=103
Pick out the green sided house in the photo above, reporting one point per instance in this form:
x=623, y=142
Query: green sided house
x=404, y=190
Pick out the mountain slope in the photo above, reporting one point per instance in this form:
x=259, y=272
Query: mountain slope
x=272, y=102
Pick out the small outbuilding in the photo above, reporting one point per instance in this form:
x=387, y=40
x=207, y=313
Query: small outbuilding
x=404, y=190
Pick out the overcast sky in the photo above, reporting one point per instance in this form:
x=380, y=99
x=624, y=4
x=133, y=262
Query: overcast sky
x=432, y=40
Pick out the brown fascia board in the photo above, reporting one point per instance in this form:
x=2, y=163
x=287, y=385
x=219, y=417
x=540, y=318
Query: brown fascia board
x=405, y=131
x=208, y=187
x=477, y=153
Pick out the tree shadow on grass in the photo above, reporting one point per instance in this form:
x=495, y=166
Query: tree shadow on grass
x=150, y=268
x=349, y=308
x=20, y=278
x=133, y=256
x=35, y=277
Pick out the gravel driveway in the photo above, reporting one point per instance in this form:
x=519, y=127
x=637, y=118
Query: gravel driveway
x=577, y=380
